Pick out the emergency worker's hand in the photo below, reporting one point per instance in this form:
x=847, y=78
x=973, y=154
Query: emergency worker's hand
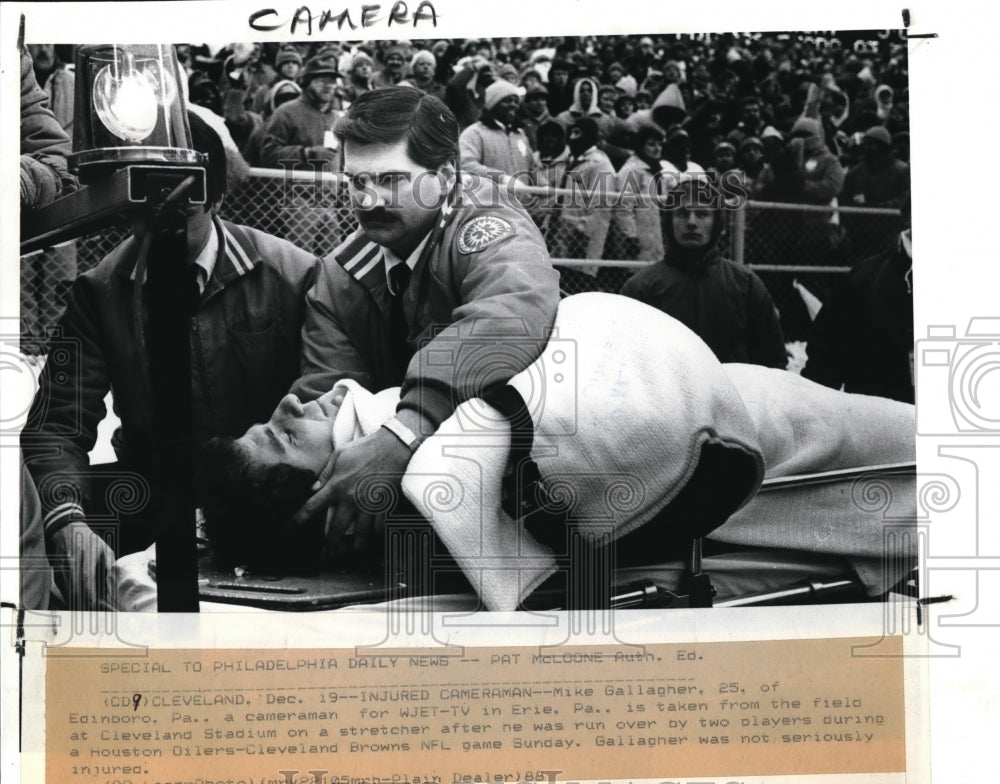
x=359, y=486
x=85, y=584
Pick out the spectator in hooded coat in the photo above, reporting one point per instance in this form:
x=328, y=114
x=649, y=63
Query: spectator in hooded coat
x=585, y=220
x=725, y=303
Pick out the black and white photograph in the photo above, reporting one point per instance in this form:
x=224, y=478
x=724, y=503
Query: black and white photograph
x=341, y=313
x=686, y=258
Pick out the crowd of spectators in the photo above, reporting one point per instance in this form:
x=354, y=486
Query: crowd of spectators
x=818, y=119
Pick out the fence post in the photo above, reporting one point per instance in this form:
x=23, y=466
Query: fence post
x=739, y=228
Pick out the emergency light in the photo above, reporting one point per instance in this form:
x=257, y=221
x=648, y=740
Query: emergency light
x=128, y=110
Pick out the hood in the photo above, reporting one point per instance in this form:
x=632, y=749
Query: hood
x=559, y=130
x=816, y=139
x=576, y=108
x=696, y=260
x=669, y=108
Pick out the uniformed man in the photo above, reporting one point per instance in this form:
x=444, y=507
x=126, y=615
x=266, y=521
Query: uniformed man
x=444, y=289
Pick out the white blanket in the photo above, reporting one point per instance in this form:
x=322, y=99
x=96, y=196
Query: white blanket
x=622, y=400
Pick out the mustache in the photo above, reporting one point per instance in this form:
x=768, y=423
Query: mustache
x=376, y=215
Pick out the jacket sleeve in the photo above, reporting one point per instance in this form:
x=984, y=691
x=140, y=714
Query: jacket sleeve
x=62, y=423
x=507, y=293
x=43, y=141
x=766, y=344
x=328, y=355
x=457, y=95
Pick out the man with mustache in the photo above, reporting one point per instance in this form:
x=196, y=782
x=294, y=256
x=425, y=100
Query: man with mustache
x=445, y=289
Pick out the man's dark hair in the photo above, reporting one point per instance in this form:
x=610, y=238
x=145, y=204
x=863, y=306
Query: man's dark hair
x=247, y=507
x=206, y=140
x=390, y=114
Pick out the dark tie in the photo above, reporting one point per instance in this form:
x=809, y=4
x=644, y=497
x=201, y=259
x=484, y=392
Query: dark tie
x=399, y=275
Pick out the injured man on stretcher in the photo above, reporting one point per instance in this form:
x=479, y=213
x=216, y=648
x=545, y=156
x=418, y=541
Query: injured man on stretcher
x=639, y=436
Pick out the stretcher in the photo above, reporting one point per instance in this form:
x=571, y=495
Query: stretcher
x=699, y=572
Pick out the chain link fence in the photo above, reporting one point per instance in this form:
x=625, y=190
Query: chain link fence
x=790, y=246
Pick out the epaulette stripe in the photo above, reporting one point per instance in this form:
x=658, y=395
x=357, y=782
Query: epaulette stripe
x=368, y=267
x=64, y=509
x=358, y=255
x=362, y=259
x=235, y=251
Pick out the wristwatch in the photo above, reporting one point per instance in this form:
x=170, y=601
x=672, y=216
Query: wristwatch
x=408, y=438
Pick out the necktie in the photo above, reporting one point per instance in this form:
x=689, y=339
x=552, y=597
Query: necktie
x=399, y=275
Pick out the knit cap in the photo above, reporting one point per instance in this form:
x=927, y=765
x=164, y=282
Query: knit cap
x=499, y=90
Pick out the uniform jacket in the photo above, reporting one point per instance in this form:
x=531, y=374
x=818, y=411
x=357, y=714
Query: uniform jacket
x=725, y=303
x=245, y=347
x=479, y=304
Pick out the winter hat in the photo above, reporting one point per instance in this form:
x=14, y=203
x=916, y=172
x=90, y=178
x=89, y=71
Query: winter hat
x=235, y=170
x=361, y=58
x=807, y=126
x=588, y=134
x=879, y=134
x=771, y=132
x=318, y=66
x=283, y=91
x=422, y=55
x=735, y=137
x=499, y=90
x=536, y=89
x=507, y=70
x=628, y=85
x=287, y=55
x=668, y=108
x=395, y=49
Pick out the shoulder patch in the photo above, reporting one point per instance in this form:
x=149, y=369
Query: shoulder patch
x=479, y=233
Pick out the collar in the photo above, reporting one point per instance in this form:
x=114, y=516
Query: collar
x=514, y=127
x=207, y=258
x=368, y=262
x=227, y=255
x=391, y=259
